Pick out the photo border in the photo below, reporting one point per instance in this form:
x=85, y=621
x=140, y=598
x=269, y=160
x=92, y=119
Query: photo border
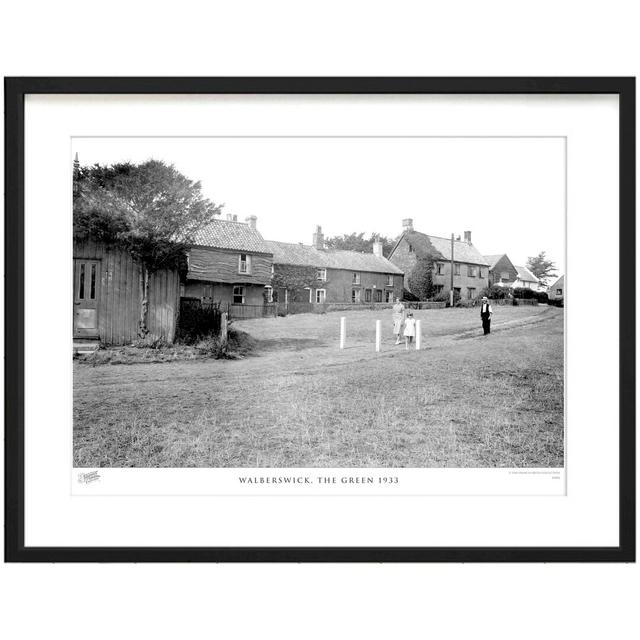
x=15, y=91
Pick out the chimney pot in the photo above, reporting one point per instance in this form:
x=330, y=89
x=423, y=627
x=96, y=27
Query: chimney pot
x=407, y=224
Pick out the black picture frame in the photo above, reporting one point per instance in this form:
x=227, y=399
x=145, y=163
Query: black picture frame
x=15, y=91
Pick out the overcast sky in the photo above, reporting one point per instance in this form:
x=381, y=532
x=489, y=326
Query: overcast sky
x=509, y=192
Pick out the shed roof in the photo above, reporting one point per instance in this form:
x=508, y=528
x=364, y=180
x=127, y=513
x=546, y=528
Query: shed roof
x=308, y=256
x=463, y=251
x=229, y=234
x=525, y=275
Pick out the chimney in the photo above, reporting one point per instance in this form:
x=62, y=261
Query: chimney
x=318, y=238
x=377, y=248
x=467, y=236
x=251, y=220
x=407, y=224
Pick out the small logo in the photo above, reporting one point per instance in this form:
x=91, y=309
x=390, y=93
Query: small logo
x=86, y=478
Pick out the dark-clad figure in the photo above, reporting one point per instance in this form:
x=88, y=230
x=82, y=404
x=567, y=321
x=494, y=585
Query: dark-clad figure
x=485, y=314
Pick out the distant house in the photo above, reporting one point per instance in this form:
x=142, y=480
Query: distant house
x=502, y=272
x=470, y=267
x=229, y=262
x=556, y=290
x=526, y=280
x=314, y=274
x=107, y=296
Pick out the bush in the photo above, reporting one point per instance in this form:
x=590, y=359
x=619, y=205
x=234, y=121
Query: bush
x=495, y=293
x=524, y=293
x=542, y=297
x=409, y=297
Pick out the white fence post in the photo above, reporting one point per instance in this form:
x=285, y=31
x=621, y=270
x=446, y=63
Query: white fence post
x=343, y=331
x=378, y=334
x=418, y=335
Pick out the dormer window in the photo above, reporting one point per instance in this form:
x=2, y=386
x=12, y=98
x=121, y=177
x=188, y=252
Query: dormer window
x=244, y=263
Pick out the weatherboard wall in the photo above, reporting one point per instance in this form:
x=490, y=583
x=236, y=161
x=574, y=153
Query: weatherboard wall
x=119, y=297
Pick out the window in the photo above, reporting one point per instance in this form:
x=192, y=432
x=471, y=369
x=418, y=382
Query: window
x=355, y=279
x=558, y=292
x=480, y=272
x=471, y=271
x=411, y=249
x=471, y=293
x=440, y=268
x=456, y=268
x=388, y=296
x=378, y=295
x=244, y=263
x=207, y=293
x=504, y=276
x=355, y=295
x=438, y=288
x=367, y=295
x=321, y=274
x=320, y=296
x=238, y=295
x=268, y=294
x=389, y=280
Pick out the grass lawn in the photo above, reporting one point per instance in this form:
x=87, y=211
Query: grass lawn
x=464, y=400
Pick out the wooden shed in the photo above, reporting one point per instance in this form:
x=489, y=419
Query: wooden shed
x=107, y=298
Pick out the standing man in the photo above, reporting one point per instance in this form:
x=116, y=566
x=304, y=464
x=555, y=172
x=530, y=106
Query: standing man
x=485, y=314
x=398, y=319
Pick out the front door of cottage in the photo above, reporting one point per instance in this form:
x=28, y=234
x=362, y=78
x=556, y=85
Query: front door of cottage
x=86, y=283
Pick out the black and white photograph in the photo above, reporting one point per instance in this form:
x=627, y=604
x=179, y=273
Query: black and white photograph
x=319, y=302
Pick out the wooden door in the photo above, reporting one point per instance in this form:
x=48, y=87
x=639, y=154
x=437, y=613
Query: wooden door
x=86, y=283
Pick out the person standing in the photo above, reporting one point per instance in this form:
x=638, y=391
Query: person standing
x=398, y=319
x=485, y=314
x=409, y=330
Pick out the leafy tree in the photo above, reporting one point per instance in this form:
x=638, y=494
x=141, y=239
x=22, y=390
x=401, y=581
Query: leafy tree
x=149, y=209
x=542, y=268
x=421, y=278
x=358, y=242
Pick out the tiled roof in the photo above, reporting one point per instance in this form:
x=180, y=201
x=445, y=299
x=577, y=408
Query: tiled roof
x=525, y=275
x=228, y=234
x=558, y=284
x=308, y=256
x=493, y=259
x=462, y=251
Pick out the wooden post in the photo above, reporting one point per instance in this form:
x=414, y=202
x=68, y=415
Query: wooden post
x=224, y=329
x=418, y=335
x=343, y=331
x=378, y=334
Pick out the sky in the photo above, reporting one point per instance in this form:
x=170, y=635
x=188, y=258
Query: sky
x=509, y=192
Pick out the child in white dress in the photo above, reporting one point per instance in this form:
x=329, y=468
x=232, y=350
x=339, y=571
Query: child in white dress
x=409, y=330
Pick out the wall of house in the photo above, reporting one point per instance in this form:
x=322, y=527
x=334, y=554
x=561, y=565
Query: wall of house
x=463, y=281
x=218, y=265
x=222, y=292
x=339, y=285
x=503, y=265
x=119, y=298
x=406, y=260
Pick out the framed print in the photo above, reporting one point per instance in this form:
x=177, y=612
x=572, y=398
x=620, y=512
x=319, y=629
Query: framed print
x=320, y=319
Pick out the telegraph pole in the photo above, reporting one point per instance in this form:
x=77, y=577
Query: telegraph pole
x=451, y=292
